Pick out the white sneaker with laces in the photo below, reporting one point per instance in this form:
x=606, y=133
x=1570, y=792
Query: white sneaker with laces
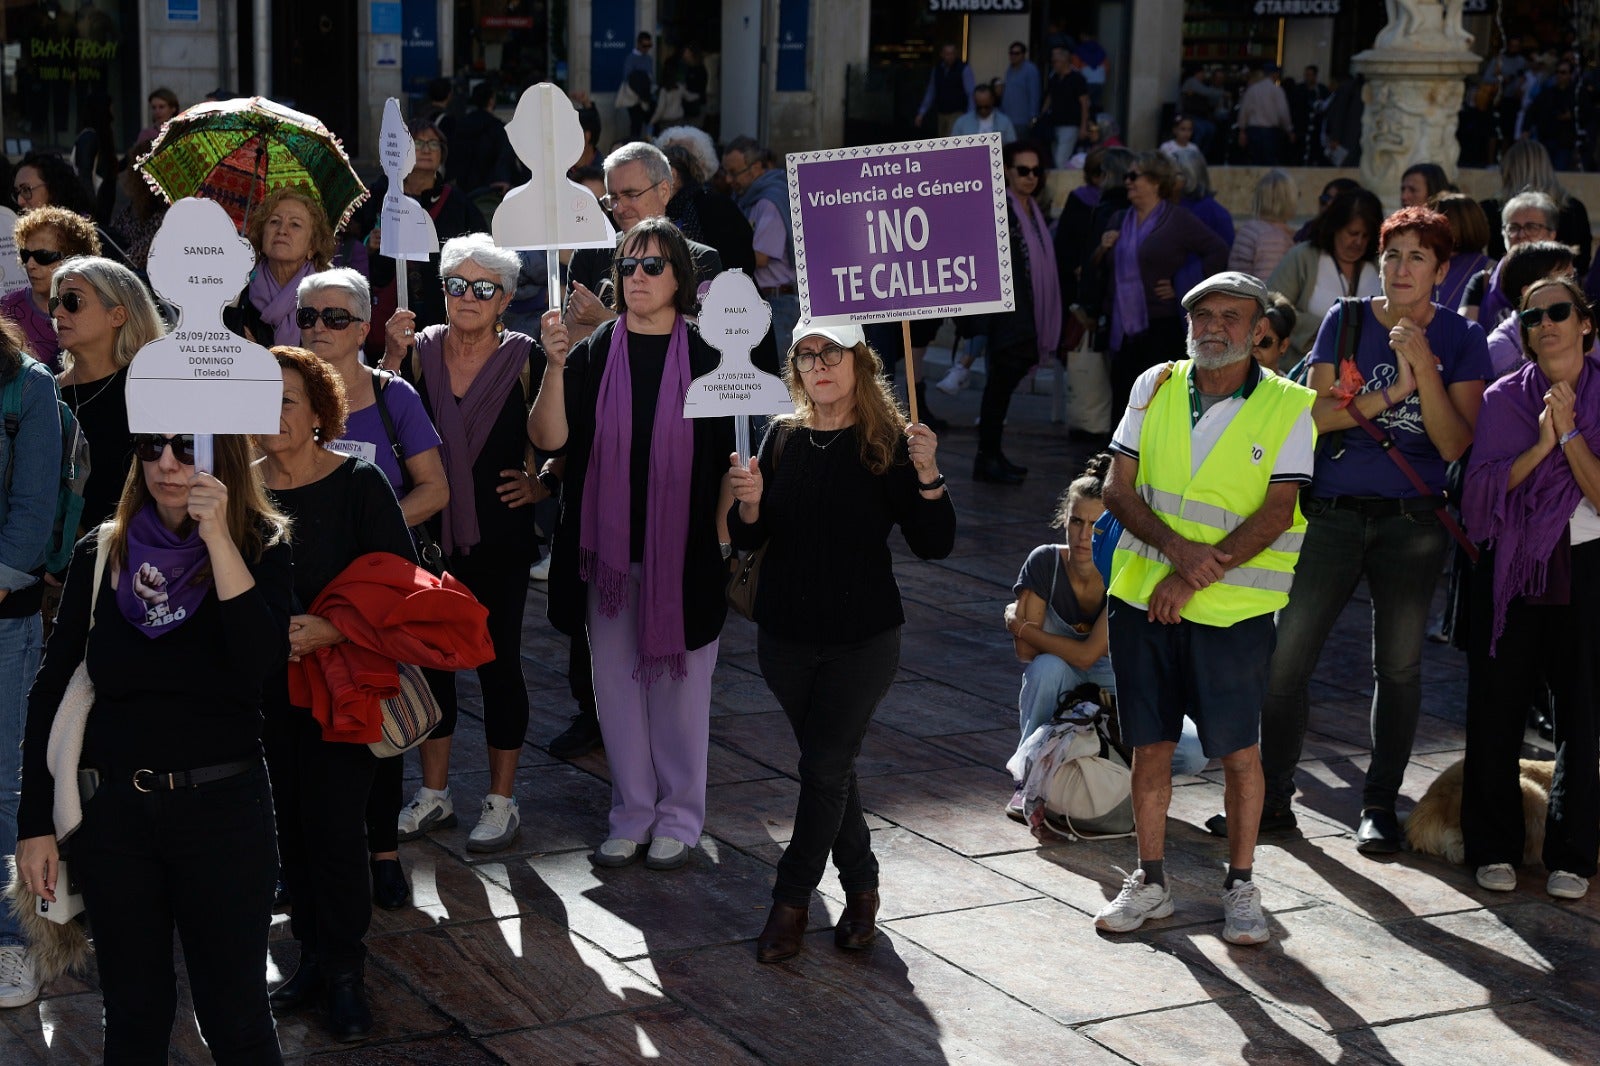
x=1243, y=922
x=666, y=853
x=497, y=826
x=1565, y=885
x=954, y=381
x=427, y=811
x=616, y=851
x=19, y=982
x=1497, y=877
x=1136, y=903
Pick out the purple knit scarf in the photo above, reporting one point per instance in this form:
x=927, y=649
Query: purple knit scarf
x=464, y=425
x=277, y=302
x=604, y=545
x=1132, y=315
x=157, y=591
x=1041, y=272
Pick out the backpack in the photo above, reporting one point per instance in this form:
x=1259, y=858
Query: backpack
x=74, y=468
x=1075, y=783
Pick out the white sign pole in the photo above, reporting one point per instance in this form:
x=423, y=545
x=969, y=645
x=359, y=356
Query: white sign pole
x=553, y=177
x=733, y=319
x=407, y=232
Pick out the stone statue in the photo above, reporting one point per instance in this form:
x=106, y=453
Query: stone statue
x=1423, y=26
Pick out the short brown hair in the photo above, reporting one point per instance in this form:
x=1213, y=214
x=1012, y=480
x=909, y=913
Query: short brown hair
x=674, y=247
x=324, y=388
x=1157, y=166
x=1432, y=230
x=322, y=246
x=1468, y=224
x=76, y=233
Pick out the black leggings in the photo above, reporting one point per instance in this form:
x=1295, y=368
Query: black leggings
x=1006, y=370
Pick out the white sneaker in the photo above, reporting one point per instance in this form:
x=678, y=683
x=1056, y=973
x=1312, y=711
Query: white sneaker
x=1565, y=885
x=497, y=826
x=1242, y=920
x=954, y=381
x=1134, y=904
x=427, y=811
x=1497, y=877
x=540, y=571
x=666, y=853
x=616, y=851
x=19, y=982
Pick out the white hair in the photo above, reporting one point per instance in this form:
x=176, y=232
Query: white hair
x=656, y=167
x=480, y=249
x=699, y=146
x=338, y=279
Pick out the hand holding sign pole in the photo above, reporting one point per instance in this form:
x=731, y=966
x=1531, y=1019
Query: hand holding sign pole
x=549, y=211
x=733, y=319
x=406, y=232
x=202, y=378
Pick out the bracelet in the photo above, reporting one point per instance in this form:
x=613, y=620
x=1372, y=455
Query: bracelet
x=936, y=483
x=1568, y=435
x=1387, y=403
x=1026, y=622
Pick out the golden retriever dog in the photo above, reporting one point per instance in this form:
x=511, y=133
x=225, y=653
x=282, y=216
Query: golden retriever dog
x=1434, y=828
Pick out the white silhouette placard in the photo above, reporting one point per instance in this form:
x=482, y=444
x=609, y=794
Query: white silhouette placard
x=407, y=229
x=550, y=210
x=202, y=377
x=12, y=274
x=733, y=319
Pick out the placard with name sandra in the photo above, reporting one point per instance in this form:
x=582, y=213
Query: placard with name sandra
x=897, y=231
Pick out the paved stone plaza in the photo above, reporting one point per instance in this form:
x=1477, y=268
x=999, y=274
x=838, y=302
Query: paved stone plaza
x=533, y=956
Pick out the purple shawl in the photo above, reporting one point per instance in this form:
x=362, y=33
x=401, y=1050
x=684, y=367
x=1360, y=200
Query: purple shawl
x=1527, y=523
x=1041, y=272
x=1495, y=306
x=277, y=302
x=464, y=424
x=158, y=591
x=604, y=545
x=1132, y=314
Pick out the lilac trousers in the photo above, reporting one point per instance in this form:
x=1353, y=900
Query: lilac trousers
x=656, y=737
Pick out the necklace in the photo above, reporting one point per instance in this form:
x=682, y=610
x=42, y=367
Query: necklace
x=81, y=404
x=811, y=435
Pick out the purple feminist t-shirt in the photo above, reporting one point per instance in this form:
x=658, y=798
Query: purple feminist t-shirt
x=1357, y=466
x=364, y=435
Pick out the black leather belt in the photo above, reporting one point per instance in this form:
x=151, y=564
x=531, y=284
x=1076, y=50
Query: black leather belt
x=172, y=780
x=778, y=290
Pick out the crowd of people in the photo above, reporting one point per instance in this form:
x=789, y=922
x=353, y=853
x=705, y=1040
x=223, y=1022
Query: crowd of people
x=1294, y=412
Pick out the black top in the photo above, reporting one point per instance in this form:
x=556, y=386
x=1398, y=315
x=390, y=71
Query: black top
x=186, y=699
x=647, y=358
x=500, y=528
x=337, y=519
x=101, y=408
x=705, y=575
x=1064, y=95
x=825, y=518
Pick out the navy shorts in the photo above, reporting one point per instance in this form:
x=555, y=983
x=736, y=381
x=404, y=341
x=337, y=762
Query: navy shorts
x=1215, y=674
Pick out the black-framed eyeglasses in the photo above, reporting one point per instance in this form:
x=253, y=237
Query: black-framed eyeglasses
x=72, y=301
x=25, y=192
x=1028, y=172
x=149, y=446
x=483, y=289
x=627, y=196
x=1534, y=315
x=1517, y=229
x=43, y=256
x=427, y=146
x=332, y=317
x=828, y=355
x=653, y=265
x=1132, y=176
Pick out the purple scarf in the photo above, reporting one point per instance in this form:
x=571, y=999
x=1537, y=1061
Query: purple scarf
x=1042, y=273
x=277, y=302
x=158, y=591
x=1495, y=306
x=1527, y=523
x=1132, y=315
x=464, y=425
x=604, y=546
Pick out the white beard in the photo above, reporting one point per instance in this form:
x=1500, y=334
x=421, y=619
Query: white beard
x=1225, y=358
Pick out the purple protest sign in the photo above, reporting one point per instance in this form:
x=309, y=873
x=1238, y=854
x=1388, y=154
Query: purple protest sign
x=901, y=231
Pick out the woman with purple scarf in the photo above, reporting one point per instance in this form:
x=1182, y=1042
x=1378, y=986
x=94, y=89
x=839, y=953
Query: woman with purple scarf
x=637, y=558
x=1141, y=254
x=1531, y=494
x=475, y=376
x=1018, y=339
x=291, y=233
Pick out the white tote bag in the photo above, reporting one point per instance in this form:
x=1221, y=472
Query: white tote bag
x=1088, y=389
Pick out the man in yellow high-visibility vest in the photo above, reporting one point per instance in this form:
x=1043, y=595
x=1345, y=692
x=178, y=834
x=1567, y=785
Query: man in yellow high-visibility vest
x=1210, y=458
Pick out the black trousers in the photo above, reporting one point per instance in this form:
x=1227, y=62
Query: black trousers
x=201, y=861
x=829, y=692
x=1560, y=644
x=1165, y=339
x=320, y=789
x=1006, y=369
x=499, y=579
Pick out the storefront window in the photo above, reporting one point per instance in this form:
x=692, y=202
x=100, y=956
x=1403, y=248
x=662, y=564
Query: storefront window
x=61, y=65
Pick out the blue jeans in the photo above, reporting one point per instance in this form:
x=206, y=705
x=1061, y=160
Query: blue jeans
x=20, y=643
x=1400, y=556
x=1047, y=676
x=785, y=316
x=1066, y=139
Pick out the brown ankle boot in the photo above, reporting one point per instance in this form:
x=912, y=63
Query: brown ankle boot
x=857, y=928
x=784, y=934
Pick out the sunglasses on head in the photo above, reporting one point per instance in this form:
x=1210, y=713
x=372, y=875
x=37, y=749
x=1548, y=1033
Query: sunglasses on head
x=149, y=446
x=72, y=301
x=332, y=317
x=1558, y=313
x=457, y=286
x=43, y=256
x=653, y=265
x=1029, y=172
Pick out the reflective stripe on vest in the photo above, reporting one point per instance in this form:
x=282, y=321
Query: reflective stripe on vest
x=1205, y=506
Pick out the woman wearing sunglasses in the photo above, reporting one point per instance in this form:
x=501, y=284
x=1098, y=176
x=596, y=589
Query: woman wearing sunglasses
x=190, y=619
x=292, y=237
x=1533, y=486
x=475, y=379
x=831, y=483
x=637, y=559
x=46, y=238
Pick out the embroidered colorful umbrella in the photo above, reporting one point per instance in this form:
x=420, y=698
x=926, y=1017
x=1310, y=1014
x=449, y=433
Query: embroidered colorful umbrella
x=237, y=151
